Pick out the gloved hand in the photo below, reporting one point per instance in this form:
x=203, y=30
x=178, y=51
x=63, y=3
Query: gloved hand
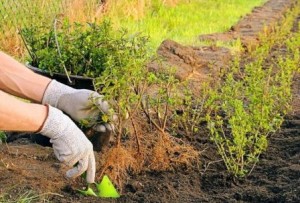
x=77, y=103
x=70, y=145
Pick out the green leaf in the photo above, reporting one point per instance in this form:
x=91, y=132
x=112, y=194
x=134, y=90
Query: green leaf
x=104, y=118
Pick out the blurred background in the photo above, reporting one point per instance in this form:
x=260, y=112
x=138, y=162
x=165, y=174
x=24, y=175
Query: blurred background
x=179, y=20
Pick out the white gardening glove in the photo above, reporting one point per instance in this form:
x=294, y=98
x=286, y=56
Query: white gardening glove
x=77, y=103
x=70, y=145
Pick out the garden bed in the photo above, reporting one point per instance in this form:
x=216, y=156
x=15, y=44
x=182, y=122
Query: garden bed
x=25, y=166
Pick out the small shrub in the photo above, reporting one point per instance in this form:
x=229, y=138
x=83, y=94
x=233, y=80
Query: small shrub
x=145, y=103
x=191, y=111
x=80, y=49
x=251, y=103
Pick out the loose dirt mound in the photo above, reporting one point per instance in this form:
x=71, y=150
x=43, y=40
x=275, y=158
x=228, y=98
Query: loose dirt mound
x=276, y=178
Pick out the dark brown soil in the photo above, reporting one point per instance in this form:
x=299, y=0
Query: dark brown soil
x=276, y=178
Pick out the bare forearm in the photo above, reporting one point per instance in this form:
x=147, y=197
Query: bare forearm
x=16, y=115
x=18, y=80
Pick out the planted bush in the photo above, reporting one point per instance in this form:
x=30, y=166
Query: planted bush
x=145, y=102
x=252, y=101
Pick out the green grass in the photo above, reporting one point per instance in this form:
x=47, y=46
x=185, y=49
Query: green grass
x=28, y=196
x=186, y=21
x=16, y=14
x=182, y=23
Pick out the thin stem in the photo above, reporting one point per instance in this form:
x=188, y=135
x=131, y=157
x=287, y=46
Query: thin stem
x=166, y=109
x=136, y=134
x=27, y=48
x=59, y=52
x=120, y=124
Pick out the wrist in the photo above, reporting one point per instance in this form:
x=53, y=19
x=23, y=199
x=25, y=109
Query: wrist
x=43, y=114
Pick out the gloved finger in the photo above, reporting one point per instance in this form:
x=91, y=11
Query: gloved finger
x=100, y=128
x=73, y=161
x=104, y=127
x=100, y=102
x=103, y=105
x=114, y=118
x=91, y=170
x=109, y=126
x=79, y=169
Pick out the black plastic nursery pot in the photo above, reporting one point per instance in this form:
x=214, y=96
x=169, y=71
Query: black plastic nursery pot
x=77, y=82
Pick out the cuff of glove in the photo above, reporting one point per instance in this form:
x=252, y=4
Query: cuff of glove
x=54, y=91
x=52, y=126
x=41, y=127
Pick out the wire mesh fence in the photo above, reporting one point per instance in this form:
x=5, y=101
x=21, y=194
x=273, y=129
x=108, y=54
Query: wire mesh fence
x=18, y=14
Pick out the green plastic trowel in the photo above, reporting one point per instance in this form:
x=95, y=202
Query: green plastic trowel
x=107, y=189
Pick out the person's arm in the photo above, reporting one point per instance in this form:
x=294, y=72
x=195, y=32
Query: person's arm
x=16, y=115
x=70, y=145
x=20, y=81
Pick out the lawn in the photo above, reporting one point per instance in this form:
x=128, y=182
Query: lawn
x=187, y=20
x=181, y=20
